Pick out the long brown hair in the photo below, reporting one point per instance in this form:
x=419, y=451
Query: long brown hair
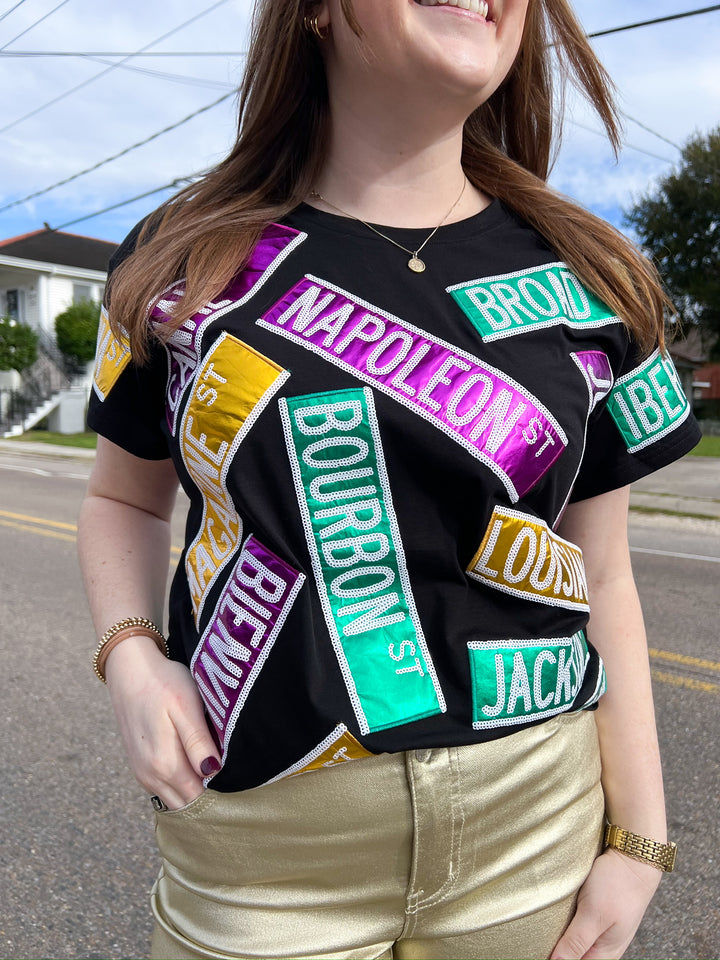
x=206, y=232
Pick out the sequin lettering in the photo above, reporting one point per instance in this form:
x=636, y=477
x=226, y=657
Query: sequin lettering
x=346, y=504
x=221, y=409
x=477, y=406
x=595, y=368
x=184, y=345
x=649, y=402
x=527, y=300
x=521, y=680
x=242, y=630
x=337, y=748
x=521, y=556
x=111, y=358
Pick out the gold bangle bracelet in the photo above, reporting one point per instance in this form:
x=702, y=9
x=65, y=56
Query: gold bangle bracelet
x=659, y=855
x=130, y=626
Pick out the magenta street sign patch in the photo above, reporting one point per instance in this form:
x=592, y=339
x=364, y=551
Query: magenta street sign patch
x=242, y=630
x=275, y=245
x=489, y=414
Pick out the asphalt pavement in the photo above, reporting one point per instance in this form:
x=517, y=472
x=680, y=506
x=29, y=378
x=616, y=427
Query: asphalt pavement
x=76, y=849
x=689, y=487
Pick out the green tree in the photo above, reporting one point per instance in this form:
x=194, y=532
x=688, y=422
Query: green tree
x=18, y=345
x=76, y=330
x=678, y=222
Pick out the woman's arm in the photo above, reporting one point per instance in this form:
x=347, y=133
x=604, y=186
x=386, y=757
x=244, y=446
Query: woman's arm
x=615, y=896
x=124, y=548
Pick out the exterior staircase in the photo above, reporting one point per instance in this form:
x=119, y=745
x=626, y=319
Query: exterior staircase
x=42, y=387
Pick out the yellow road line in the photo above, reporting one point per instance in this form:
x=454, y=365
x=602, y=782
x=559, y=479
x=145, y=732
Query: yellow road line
x=671, y=678
x=689, y=682
x=42, y=520
x=54, y=525
x=681, y=658
x=38, y=530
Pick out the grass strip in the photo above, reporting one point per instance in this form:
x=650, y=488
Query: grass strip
x=87, y=440
x=636, y=508
x=709, y=446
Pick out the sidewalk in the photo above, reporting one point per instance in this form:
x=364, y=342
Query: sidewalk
x=38, y=449
x=690, y=487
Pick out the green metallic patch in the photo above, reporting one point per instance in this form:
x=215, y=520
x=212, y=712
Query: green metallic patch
x=345, y=500
x=648, y=402
x=522, y=680
x=528, y=300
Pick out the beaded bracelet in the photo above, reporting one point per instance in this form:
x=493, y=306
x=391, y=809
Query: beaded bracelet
x=129, y=627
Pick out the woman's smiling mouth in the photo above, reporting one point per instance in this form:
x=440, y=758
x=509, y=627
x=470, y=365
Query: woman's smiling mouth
x=479, y=7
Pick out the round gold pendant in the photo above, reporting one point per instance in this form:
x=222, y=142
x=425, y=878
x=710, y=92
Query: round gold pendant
x=416, y=265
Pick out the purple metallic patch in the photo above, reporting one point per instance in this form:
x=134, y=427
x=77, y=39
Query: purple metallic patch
x=242, y=630
x=183, y=347
x=595, y=367
x=478, y=406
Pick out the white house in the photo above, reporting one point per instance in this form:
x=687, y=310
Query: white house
x=41, y=274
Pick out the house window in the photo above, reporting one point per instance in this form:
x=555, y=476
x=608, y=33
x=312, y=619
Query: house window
x=82, y=291
x=13, y=304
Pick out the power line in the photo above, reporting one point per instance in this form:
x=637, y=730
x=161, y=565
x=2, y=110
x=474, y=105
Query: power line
x=239, y=53
x=8, y=12
x=629, y=146
x=215, y=103
x=174, y=77
x=121, y=53
x=122, y=153
x=179, y=181
x=210, y=106
x=102, y=73
x=643, y=126
x=184, y=180
x=35, y=24
x=124, y=203
x=651, y=23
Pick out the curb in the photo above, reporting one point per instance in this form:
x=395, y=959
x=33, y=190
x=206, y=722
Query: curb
x=659, y=503
x=36, y=449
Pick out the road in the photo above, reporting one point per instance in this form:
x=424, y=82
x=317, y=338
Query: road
x=76, y=844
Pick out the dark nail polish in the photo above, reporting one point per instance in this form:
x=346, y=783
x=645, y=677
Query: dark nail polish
x=209, y=767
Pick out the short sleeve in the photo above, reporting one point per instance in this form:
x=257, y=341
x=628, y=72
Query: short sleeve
x=127, y=401
x=643, y=424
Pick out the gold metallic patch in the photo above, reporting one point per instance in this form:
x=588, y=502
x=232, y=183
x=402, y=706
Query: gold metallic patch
x=228, y=393
x=111, y=358
x=522, y=556
x=344, y=749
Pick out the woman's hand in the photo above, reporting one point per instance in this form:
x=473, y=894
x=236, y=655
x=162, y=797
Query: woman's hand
x=162, y=721
x=611, y=904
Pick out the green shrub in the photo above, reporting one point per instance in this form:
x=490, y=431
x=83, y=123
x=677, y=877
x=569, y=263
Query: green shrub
x=76, y=330
x=18, y=345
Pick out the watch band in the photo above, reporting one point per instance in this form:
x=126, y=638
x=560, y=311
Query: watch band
x=660, y=855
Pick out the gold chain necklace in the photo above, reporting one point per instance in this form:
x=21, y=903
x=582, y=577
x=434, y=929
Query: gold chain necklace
x=414, y=263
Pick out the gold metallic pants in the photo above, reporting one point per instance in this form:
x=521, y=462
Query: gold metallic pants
x=473, y=851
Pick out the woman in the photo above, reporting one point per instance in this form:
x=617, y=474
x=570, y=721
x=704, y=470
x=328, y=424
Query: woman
x=389, y=368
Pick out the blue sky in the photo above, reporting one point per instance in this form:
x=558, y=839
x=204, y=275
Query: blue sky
x=668, y=77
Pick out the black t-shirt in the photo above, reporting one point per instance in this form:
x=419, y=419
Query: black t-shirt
x=376, y=461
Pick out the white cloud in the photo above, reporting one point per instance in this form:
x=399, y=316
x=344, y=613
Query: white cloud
x=668, y=77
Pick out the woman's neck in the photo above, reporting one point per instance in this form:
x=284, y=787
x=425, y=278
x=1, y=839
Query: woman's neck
x=387, y=170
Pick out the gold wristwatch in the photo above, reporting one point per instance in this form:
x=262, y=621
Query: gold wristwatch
x=660, y=855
